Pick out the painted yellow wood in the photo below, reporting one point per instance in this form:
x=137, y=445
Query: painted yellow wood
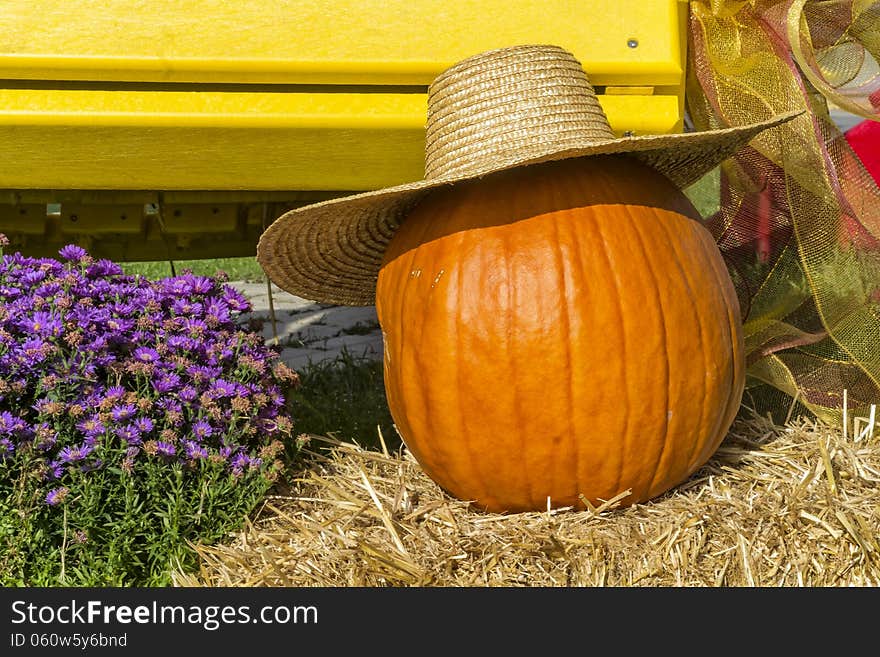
x=212, y=140
x=338, y=42
x=108, y=105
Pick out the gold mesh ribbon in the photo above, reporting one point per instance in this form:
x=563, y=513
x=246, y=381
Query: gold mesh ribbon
x=799, y=217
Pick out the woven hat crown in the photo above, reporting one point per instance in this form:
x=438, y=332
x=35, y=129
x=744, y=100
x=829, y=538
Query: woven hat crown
x=506, y=108
x=505, y=105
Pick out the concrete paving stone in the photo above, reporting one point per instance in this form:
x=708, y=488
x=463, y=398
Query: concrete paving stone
x=312, y=332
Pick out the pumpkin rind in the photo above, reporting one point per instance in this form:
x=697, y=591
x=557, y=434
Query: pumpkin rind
x=565, y=331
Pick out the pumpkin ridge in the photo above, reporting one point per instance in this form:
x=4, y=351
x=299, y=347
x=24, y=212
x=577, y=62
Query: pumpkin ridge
x=483, y=494
x=417, y=250
x=621, y=315
x=734, y=324
x=673, y=244
x=517, y=400
x=565, y=315
x=664, y=340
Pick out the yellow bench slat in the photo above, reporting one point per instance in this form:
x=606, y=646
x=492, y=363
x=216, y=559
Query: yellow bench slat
x=87, y=139
x=340, y=42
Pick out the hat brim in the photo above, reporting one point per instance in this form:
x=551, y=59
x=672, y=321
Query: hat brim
x=331, y=251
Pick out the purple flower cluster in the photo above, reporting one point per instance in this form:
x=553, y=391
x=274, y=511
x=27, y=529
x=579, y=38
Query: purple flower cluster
x=93, y=361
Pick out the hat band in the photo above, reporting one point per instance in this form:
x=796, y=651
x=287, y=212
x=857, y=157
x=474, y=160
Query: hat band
x=507, y=105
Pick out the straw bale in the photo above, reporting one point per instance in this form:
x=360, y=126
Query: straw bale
x=794, y=506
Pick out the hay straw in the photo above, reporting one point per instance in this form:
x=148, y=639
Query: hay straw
x=797, y=505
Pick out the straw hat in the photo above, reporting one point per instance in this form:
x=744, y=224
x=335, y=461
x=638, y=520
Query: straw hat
x=504, y=108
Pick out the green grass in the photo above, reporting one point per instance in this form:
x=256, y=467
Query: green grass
x=344, y=398
x=237, y=269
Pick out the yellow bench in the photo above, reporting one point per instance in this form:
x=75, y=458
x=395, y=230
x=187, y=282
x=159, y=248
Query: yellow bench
x=154, y=129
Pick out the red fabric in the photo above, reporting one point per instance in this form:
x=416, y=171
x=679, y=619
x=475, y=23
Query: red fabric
x=864, y=139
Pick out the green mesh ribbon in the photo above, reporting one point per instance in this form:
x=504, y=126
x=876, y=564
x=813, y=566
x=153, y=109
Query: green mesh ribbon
x=799, y=217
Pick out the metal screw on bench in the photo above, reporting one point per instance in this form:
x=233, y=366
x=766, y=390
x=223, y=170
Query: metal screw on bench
x=633, y=43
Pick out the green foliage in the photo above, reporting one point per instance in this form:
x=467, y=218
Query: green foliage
x=118, y=528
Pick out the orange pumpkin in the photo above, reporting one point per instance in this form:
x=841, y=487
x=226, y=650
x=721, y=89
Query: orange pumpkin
x=559, y=332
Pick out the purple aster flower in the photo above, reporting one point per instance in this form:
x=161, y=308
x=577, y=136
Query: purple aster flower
x=91, y=426
x=146, y=355
x=217, y=311
x=114, y=393
x=129, y=433
x=175, y=286
x=55, y=470
x=49, y=289
x=42, y=323
x=169, y=404
x=122, y=412
x=73, y=252
x=56, y=495
x=8, y=422
x=74, y=453
x=11, y=425
x=235, y=300
x=202, y=284
x=144, y=424
x=164, y=448
x=239, y=460
x=194, y=451
x=187, y=284
x=167, y=382
x=142, y=336
x=103, y=267
x=194, y=328
x=120, y=324
x=33, y=276
x=188, y=394
x=223, y=388
x=202, y=373
x=88, y=370
x=9, y=292
x=186, y=307
x=6, y=448
x=48, y=406
x=181, y=342
x=31, y=352
x=97, y=345
x=202, y=429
